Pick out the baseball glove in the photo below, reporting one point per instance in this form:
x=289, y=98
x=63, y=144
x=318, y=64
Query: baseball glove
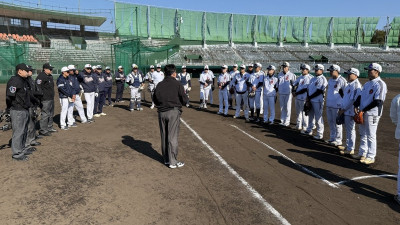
x=340, y=119
x=252, y=94
x=232, y=90
x=359, y=117
x=307, y=107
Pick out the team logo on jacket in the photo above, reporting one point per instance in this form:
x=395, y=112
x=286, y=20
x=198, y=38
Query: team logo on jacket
x=13, y=89
x=302, y=82
x=271, y=82
x=371, y=91
x=39, y=81
x=287, y=77
x=88, y=79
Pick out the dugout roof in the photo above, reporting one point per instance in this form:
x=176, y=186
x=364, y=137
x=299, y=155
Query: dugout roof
x=46, y=15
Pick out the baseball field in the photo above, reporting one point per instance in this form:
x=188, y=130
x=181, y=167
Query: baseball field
x=111, y=172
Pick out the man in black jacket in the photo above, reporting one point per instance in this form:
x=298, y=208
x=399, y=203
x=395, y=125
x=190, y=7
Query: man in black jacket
x=35, y=95
x=169, y=97
x=45, y=84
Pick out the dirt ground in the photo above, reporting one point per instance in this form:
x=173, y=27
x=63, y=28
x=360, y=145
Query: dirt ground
x=111, y=172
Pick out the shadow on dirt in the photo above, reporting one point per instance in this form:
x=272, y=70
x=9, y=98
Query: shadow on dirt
x=142, y=147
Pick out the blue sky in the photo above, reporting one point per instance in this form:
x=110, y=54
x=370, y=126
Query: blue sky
x=339, y=8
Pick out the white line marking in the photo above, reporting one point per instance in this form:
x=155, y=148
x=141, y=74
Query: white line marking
x=255, y=194
x=365, y=177
x=287, y=158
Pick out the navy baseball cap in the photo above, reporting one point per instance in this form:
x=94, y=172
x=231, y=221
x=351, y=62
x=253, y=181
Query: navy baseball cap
x=47, y=66
x=22, y=66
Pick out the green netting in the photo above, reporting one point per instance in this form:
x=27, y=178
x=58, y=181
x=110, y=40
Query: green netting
x=241, y=31
x=162, y=22
x=294, y=29
x=319, y=30
x=393, y=38
x=344, y=30
x=217, y=26
x=267, y=29
x=368, y=27
x=126, y=22
x=191, y=25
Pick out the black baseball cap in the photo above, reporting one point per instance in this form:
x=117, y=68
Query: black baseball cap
x=22, y=66
x=29, y=68
x=47, y=66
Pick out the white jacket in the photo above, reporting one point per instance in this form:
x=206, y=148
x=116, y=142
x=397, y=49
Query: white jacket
x=395, y=115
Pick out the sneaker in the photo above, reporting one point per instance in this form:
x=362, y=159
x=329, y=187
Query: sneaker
x=305, y=132
x=64, y=128
x=299, y=128
x=122, y=101
x=335, y=143
x=257, y=120
x=84, y=122
x=247, y=120
x=219, y=113
x=180, y=164
x=96, y=115
x=265, y=122
x=397, y=199
x=368, y=161
x=52, y=130
x=235, y=117
x=73, y=125
x=103, y=114
x=187, y=105
x=139, y=109
x=90, y=120
x=172, y=166
x=152, y=106
x=205, y=106
x=358, y=157
x=344, y=152
x=271, y=122
x=316, y=137
x=45, y=134
x=341, y=147
x=21, y=158
x=131, y=110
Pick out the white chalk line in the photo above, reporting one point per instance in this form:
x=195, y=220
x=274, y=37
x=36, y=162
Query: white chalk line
x=255, y=194
x=365, y=177
x=289, y=159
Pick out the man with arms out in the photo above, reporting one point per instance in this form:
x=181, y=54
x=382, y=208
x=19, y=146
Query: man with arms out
x=169, y=97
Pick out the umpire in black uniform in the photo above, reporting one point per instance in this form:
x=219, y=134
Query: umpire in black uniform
x=45, y=84
x=169, y=97
x=35, y=95
x=18, y=99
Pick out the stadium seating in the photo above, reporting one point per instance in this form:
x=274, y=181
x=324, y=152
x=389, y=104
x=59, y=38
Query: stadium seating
x=17, y=38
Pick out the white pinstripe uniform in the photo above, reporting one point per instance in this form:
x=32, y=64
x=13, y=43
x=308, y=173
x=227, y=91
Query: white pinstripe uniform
x=285, y=82
x=269, y=93
x=232, y=96
x=205, y=77
x=223, y=79
x=302, y=83
x=240, y=83
x=395, y=116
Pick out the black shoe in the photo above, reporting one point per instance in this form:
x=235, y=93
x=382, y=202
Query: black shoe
x=36, y=143
x=45, y=134
x=21, y=158
x=39, y=136
x=53, y=130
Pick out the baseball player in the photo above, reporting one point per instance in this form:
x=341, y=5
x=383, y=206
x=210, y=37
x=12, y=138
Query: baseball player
x=210, y=95
x=135, y=81
x=241, y=83
x=108, y=87
x=89, y=85
x=370, y=102
x=150, y=86
x=351, y=93
x=206, y=80
x=67, y=95
x=78, y=93
x=286, y=80
x=156, y=77
x=395, y=116
x=223, y=84
x=334, y=99
x=232, y=96
x=269, y=85
x=255, y=99
x=100, y=99
x=300, y=93
x=185, y=79
x=120, y=82
x=315, y=96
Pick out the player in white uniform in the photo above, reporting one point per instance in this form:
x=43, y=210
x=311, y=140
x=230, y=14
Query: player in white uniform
x=300, y=94
x=395, y=116
x=286, y=80
x=223, y=85
x=135, y=81
x=185, y=79
x=231, y=97
x=269, y=84
x=210, y=95
x=156, y=77
x=334, y=99
x=370, y=102
x=206, y=81
x=315, y=96
x=255, y=101
x=351, y=93
x=150, y=86
x=241, y=83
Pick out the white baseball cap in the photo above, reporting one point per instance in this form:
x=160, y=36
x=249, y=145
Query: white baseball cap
x=206, y=67
x=224, y=67
x=183, y=67
x=271, y=67
x=151, y=66
x=334, y=67
x=285, y=64
x=236, y=65
x=64, y=69
x=120, y=67
x=98, y=67
x=158, y=65
x=108, y=68
x=250, y=65
x=257, y=65
x=374, y=66
x=319, y=67
x=353, y=71
x=305, y=67
x=88, y=66
x=243, y=66
x=94, y=67
x=134, y=66
x=71, y=67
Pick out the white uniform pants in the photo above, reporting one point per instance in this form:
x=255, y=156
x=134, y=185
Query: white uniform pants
x=239, y=98
x=285, y=102
x=350, y=132
x=302, y=119
x=210, y=96
x=255, y=102
x=79, y=107
x=204, y=93
x=398, y=175
x=316, y=114
x=368, y=136
x=223, y=101
x=89, y=97
x=269, y=103
x=335, y=131
x=67, y=109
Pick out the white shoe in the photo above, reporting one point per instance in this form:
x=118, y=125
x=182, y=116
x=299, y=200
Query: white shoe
x=103, y=114
x=368, y=161
x=139, y=109
x=205, y=106
x=187, y=105
x=299, y=128
x=316, y=137
x=305, y=132
x=152, y=106
x=335, y=143
x=96, y=115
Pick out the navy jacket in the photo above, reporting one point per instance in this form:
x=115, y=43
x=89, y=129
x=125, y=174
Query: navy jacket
x=88, y=82
x=75, y=84
x=101, y=82
x=109, y=79
x=45, y=85
x=64, y=85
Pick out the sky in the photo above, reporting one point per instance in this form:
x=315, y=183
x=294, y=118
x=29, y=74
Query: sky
x=337, y=8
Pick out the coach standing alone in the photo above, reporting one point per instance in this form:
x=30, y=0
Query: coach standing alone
x=169, y=96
